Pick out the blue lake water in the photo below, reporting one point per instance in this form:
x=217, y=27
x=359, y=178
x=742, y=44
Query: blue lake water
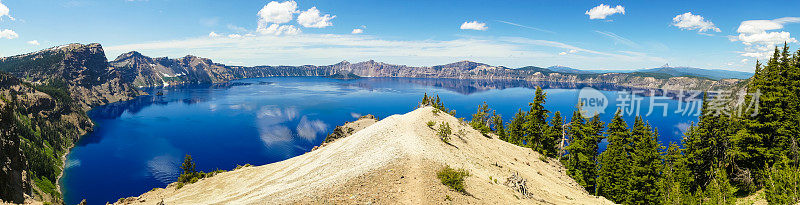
x=139, y=144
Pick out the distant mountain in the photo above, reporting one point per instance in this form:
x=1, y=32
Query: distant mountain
x=564, y=69
x=713, y=74
x=143, y=71
x=82, y=70
x=536, y=69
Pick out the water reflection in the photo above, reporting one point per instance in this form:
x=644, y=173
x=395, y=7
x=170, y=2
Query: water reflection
x=472, y=86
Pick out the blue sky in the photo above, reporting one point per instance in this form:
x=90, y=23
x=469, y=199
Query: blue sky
x=581, y=34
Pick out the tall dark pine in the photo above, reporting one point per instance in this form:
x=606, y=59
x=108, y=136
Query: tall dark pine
x=708, y=145
x=675, y=178
x=580, y=158
x=555, y=133
x=515, y=128
x=646, y=161
x=615, y=163
x=536, y=129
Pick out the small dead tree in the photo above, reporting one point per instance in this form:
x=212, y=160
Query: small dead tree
x=519, y=184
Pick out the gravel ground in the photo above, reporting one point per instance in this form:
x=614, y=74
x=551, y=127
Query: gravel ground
x=392, y=161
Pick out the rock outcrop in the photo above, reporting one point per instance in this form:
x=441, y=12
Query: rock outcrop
x=82, y=69
x=349, y=128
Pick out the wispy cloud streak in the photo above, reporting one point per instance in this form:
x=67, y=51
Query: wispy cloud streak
x=524, y=26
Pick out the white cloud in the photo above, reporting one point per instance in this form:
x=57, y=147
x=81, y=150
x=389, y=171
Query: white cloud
x=33, y=42
x=275, y=12
x=8, y=34
x=571, y=51
x=745, y=60
x=689, y=21
x=760, y=40
x=357, y=31
x=474, y=25
x=4, y=11
x=276, y=29
x=311, y=18
x=234, y=36
x=602, y=11
x=213, y=35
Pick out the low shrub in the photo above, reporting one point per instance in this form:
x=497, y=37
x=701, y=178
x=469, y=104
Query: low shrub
x=445, y=132
x=453, y=178
x=431, y=124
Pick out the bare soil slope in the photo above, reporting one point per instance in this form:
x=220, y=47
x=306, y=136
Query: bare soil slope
x=392, y=161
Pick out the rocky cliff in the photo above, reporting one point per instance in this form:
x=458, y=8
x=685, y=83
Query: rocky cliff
x=45, y=96
x=82, y=69
x=39, y=124
x=145, y=72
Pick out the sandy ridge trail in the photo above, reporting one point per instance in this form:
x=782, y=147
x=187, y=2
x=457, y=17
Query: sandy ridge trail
x=393, y=161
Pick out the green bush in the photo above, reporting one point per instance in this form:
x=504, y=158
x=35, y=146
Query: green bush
x=445, y=132
x=189, y=175
x=431, y=124
x=453, y=178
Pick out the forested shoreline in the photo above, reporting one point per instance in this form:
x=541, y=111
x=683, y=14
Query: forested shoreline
x=735, y=149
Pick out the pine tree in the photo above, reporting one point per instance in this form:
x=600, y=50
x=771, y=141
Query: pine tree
x=551, y=143
x=499, y=127
x=425, y=100
x=776, y=121
x=782, y=185
x=646, y=166
x=615, y=166
x=481, y=120
x=595, y=131
x=188, y=165
x=536, y=129
x=709, y=145
x=719, y=189
x=580, y=159
x=675, y=178
x=515, y=128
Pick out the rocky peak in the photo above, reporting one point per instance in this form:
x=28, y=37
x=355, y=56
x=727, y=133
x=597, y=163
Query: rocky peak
x=194, y=60
x=130, y=55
